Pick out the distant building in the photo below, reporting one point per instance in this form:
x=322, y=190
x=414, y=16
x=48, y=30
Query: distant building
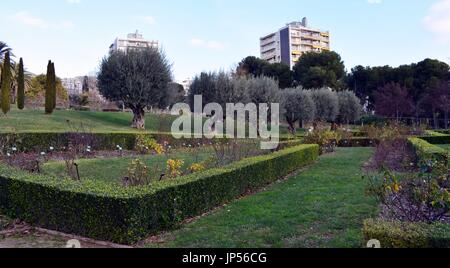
x=290, y=42
x=79, y=84
x=186, y=83
x=133, y=41
x=74, y=86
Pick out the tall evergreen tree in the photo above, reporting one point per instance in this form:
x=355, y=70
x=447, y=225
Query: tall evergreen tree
x=6, y=84
x=48, y=90
x=53, y=84
x=21, y=86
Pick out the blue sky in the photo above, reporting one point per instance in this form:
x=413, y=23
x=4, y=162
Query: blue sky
x=199, y=35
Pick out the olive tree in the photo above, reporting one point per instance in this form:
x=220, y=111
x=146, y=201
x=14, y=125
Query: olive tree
x=327, y=104
x=298, y=105
x=138, y=77
x=350, y=107
x=263, y=90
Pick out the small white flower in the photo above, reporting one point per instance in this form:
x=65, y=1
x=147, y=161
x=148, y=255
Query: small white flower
x=52, y=148
x=89, y=147
x=42, y=153
x=14, y=149
x=8, y=154
x=88, y=150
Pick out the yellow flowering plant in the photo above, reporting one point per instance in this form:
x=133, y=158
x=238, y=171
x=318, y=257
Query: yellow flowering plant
x=197, y=167
x=174, y=168
x=146, y=144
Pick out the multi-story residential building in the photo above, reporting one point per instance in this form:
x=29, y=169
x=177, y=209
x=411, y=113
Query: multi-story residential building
x=74, y=86
x=133, y=40
x=80, y=84
x=290, y=42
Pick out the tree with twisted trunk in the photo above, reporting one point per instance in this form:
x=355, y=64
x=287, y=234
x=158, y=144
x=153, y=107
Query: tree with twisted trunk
x=138, y=77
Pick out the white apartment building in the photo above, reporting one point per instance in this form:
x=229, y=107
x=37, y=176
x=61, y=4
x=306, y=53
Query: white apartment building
x=133, y=41
x=289, y=43
x=74, y=86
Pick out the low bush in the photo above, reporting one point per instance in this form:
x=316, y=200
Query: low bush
x=395, y=234
x=436, y=138
x=125, y=215
x=326, y=139
x=427, y=152
x=42, y=141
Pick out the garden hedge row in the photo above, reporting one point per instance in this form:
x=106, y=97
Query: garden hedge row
x=426, y=151
x=434, y=137
x=393, y=234
x=42, y=141
x=109, y=212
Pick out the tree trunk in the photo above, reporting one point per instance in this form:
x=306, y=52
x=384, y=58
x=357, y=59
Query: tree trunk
x=139, y=118
x=291, y=127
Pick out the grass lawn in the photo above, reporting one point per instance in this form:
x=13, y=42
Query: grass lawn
x=35, y=120
x=114, y=169
x=323, y=206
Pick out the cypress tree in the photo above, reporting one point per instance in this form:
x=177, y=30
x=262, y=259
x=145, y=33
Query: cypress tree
x=21, y=86
x=53, y=85
x=6, y=84
x=48, y=90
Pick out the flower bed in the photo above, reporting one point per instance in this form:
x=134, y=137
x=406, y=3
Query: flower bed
x=109, y=212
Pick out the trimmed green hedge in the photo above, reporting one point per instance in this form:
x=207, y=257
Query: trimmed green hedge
x=109, y=212
x=42, y=141
x=437, y=138
x=394, y=234
x=426, y=151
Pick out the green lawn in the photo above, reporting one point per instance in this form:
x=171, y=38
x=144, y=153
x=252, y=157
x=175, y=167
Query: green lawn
x=114, y=169
x=35, y=120
x=323, y=206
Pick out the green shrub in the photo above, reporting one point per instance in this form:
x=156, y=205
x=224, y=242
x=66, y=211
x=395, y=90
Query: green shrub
x=109, y=212
x=393, y=234
x=436, y=137
x=41, y=141
x=428, y=152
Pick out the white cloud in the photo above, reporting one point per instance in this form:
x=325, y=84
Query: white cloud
x=374, y=2
x=196, y=42
x=437, y=20
x=27, y=19
x=73, y=2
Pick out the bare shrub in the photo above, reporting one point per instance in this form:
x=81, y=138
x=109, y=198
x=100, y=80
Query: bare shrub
x=80, y=142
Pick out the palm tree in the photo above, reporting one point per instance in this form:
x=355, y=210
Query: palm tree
x=3, y=49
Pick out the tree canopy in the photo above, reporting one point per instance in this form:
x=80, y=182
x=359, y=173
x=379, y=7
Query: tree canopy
x=319, y=70
x=137, y=77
